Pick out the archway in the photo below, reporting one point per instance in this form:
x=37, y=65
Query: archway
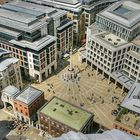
x=8, y=106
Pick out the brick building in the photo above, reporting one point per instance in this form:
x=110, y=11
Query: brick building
x=58, y=117
x=27, y=103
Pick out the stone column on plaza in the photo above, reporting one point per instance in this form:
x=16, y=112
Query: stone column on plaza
x=71, y=67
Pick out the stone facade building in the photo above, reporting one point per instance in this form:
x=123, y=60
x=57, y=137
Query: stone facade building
x=10, y=73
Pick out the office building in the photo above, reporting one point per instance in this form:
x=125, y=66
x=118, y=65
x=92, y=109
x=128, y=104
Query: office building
x=131, y=65
x=25, y=34
x=121, y=19
x=108, y=49
x=81, y=12
x=58, y=117
x=57, y=23
x=74, y=13
x=93, y=7
x=10, y=73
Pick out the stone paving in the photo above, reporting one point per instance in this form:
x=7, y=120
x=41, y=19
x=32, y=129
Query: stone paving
x=30, y=134
x=4, y=122
x=11, y=134
x=91, y=92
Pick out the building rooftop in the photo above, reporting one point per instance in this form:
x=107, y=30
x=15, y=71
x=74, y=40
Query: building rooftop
x=66, y=113
x=28, y=95
x=107, y=135
x=126, y=13
x=10, y=91
x=123, y=79
x=69, y=1
x=112, y=39
x=16, y=6
x=90, y=4
x=19, y=21
x=33, y=9
x=132, y=100
x=69, y=5
x=4, y=63
x=109, y=40
x=4, y=51
x=36, y=45
x=9, y=32
x=17, y=16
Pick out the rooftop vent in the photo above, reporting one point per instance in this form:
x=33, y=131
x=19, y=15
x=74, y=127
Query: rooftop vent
x=115, y=43
x=62, y=105
x=109, y=39
x=118, y=39
x=70, y=112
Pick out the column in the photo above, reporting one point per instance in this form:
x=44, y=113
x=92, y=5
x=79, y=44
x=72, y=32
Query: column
x=103, y=76
x=122, y=89
x=115, y=84
x=109, y=80
x=4, y=105
x=40, y=77
x=97, y=71
x=91, y=66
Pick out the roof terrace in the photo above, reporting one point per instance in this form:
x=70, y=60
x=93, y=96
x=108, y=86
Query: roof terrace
x=112, y=39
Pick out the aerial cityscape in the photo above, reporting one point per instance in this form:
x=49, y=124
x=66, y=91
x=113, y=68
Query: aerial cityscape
x=69, y=70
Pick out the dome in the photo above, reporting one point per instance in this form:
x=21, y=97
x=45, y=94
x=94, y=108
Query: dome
x=107, y=135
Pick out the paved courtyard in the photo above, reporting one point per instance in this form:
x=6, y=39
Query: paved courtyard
x=91, y=92
x=11, y=134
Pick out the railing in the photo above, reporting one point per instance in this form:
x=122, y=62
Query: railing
x=126, y=128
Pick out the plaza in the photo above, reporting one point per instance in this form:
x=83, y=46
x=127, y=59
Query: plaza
x=91, y=92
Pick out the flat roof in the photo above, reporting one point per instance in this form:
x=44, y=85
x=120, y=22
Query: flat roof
x=28, y=95
x=66, y=113
x=68, y=1
x=126, y=13
x=72, y=5
x=9, y=32
x=132, y=100
x=36, y=45
x=112, y=39
x=33, y=9
x=137, y=41
x=109, y=40
x=4, y=63
x=10, y=91
x=15, y=7
x=21, y=26
x=123, y=79
x=17, y=16
x=4, y=51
